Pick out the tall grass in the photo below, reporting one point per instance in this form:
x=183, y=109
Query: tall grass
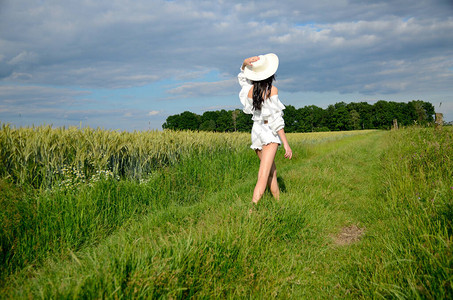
x=39, y=156
x=41, y=224
x=418, y=180
x=184, y=229
x=36, y=224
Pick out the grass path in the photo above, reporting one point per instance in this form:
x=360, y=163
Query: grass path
x=297, y=247
x=339, y=188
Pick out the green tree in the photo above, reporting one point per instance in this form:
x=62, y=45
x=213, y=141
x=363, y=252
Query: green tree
x=189, y=120
x=172, y=122
x=244, y=122
x=430, y=111
x=225, y=121
x=365, y=111
x=341, y=116
x=304, y=123
x=290, y=118
x=421, y=111
x=354, y=120
x=209, y=121
x=382, y=115
x=337, y=116
x=234, y=116
x=209, y=115
x=208, y=125
x=310, y=118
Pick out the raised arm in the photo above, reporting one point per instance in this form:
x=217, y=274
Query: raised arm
x=249, y=61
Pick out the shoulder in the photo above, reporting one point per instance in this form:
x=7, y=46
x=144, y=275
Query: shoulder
x=250, y=94
x=274, y=91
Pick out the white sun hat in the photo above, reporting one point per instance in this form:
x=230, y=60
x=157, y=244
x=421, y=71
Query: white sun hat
x=263, y=68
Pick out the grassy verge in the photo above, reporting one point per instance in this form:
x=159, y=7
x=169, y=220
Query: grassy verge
x=416, y=259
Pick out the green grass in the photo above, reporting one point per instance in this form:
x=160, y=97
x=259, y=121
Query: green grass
x=187, y=231
x=37, y=225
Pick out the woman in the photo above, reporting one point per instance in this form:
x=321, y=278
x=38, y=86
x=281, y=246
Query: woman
x=260, y=98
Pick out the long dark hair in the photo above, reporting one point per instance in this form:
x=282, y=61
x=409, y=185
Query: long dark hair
x=262, y=90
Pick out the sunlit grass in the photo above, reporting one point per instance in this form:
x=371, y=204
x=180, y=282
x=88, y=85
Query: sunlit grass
x=185, y=229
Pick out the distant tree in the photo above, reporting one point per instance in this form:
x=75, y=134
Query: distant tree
x=184, y=121
x=382, y=115
x=354, y=120
x=421, y=111
x=209, y=121
x=330, y=121
x=337, y=117
x=430, y=111
x=225, y=121
x=340, y=116
x=172, y=122
x=208, y=125
x=190, y=121
x=210, y=115
x=234, y=116
x=290, y=118
x=321, y=129
x=309, y=117
x=316, y=117
x=304, y=119
x=365, y=111
x=398, y=109
x=244, y=122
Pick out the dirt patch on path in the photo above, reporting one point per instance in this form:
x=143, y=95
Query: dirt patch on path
x=349, y=235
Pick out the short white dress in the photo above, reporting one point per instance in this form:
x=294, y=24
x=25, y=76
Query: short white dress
x=271, y=111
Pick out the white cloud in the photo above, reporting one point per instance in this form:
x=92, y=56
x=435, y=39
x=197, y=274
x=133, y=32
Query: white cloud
x=34, y=96
x=23, y=57
x=112, y=45
x=351, y=46
x=20, y=76
x=220, y=107
x=217, y=88
x=153, y=113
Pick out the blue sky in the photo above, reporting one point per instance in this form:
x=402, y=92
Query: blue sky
x=128, y=65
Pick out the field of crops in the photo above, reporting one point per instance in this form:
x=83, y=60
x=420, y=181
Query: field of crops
x=90, y=213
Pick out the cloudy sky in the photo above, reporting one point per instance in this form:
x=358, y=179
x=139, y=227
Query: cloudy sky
x=128, y=65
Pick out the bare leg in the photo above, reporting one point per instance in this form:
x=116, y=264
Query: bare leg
x=267, y=174
x=272, y=182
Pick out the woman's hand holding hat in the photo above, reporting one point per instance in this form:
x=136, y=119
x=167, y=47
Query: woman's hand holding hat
x=249, y=61
x=258, y=68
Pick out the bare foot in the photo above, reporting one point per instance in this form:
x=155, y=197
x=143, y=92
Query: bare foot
x=252, y=208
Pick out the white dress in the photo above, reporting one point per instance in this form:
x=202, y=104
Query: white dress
x=271, y=111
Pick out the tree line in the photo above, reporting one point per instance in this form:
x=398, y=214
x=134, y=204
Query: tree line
x=339, y=116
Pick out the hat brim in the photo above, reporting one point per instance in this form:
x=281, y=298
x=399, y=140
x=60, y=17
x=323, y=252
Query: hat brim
x=271, y=68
